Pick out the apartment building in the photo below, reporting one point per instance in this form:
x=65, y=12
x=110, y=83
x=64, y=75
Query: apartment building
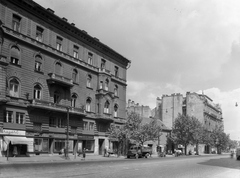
x=55, y=81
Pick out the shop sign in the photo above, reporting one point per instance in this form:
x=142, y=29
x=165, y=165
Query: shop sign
x=86, y=137
x=13, y=132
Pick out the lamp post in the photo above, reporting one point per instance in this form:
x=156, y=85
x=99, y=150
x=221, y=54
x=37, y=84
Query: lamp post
x=67, y=146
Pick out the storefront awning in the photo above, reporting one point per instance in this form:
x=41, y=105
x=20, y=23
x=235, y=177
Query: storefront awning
x=18, y=140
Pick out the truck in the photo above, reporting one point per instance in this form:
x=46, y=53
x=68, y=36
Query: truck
x=139, y=151
x=238, y=153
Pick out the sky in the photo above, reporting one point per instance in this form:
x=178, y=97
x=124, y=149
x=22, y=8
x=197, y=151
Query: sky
x=175, y=46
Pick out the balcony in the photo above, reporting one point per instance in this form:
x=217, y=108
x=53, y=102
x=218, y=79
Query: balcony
x=3, y=60
x=55, y=107
x=105, y=71
x=105, y=116
x=59, y=80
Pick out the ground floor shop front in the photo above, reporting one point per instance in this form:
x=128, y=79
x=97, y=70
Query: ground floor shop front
x=22, y=143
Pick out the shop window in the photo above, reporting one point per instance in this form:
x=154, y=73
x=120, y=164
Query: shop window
x=9, y=117
x=16, y=22
x=15, y=55
x=89, y=80
x=116, y=90
x=14, y=88
x=75, y=51
x=106, y=107
x=91, y=125
x=106, y=84
x=88, y=105
x=74, y=75
x=89, y=145
x=59, y=145
x=59, y=43
x=115, y=110
x=39, y=34
x=90, y=59
x=38, y=144
x=37, y=92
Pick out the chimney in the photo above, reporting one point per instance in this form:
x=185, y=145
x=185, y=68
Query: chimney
x=65, y=19
x=73, y=24
x=50, y=10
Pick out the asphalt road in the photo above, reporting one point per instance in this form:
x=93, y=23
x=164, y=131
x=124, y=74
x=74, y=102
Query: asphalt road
x=216, y=166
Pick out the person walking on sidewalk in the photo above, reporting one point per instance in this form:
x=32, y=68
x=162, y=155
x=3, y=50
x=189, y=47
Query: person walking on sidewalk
x=84, y=153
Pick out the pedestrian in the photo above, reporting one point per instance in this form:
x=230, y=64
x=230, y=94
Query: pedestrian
x=105, y=152
x=79, y=152
x=15, y=152
x=84, y=153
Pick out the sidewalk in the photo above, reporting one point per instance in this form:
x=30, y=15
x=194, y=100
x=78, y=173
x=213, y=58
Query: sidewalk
x=54, y=158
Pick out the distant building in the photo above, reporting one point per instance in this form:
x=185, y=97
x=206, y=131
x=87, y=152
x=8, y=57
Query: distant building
x=49, y=70
x=198, y=105
x=147, y=114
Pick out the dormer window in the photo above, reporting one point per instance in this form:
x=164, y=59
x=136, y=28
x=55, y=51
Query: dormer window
x=16, y=20
x=39, y=34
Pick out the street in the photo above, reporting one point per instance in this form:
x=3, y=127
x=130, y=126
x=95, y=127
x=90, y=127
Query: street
x=217, y=166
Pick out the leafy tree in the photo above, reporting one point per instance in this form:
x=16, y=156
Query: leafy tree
x=187, y=130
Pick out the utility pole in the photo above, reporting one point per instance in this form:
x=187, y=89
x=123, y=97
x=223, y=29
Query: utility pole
x=67, y=147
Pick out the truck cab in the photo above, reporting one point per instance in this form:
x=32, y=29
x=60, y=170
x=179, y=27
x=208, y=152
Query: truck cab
x=139, y=151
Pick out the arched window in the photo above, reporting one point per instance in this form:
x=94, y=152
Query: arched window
x=73, y=100
x=38, y=63
x=116, y=90
x=101, y=85
x=56, y=97
x=74, y=75
x=106, y=107
x=15, y=55
x=89, y=80
x=88, y=104
x=115, y=110
x=37, y=92
x=14, y=88
x=58, y=68
x=106, y=84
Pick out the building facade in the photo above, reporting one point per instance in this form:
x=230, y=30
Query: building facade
x=57, y=81
x=198, y=105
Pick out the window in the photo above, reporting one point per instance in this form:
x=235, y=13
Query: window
x=9, y=116
x=73, y=100
x=116, y=71
x=14, y=117
x=85, y=125
x=56, y=122
x=59, y=43
x=14, y=88
x=91, y=125
x=39, y=34
x=20, y=118
x=58, y=68
x=74, y=75
x=90, y=58
x=103, y=63
x=15, y=55
x=116, y=90
x=56, y=97
x=37, y=92
x=88, y=105
x=101, y=85
x=106, y=107
x=16, y=20
x=38, y=63
x=75, y=51
x=51, y=122
x=115, y=110
x=89, y=79
x=73, y=130
x=106, y=84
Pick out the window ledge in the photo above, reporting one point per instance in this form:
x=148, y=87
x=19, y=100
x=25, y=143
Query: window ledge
x=75, y=83
x=40, y=72
x=18, y=65
x=90, y=88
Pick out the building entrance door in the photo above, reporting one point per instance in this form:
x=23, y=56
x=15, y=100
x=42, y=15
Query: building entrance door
x=100, y=146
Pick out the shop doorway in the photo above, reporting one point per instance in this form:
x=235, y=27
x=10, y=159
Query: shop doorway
x=100, y=146
x=17, y=150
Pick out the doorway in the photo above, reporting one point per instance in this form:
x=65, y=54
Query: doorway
x=100, y=146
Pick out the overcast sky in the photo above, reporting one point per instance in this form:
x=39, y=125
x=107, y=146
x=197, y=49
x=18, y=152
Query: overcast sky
x=175, y=46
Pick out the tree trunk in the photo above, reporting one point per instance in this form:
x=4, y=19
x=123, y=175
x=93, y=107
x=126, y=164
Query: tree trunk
x=185, y=149
x=197, y=151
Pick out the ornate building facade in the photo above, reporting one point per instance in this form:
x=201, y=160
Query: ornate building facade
x=58, y=83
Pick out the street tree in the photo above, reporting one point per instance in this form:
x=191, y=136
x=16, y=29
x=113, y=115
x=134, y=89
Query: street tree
x=187, y=130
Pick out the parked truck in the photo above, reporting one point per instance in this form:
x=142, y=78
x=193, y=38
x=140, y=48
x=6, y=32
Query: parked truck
x=139, y=151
